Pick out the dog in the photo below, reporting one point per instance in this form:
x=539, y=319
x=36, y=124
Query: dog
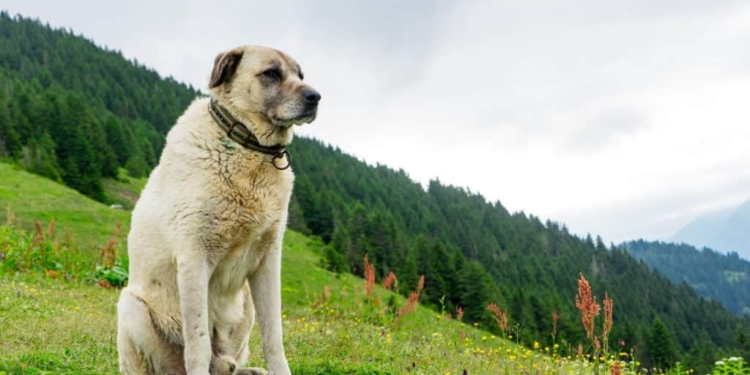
x=206, y=233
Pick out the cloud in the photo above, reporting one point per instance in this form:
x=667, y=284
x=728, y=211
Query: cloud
x=603, y=128
x=660, y=214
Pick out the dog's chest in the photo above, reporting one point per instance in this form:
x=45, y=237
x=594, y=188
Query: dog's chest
x=252, y=215
x=257, y=201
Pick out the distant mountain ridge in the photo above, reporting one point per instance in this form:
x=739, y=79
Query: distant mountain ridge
x=723, y=277
x=725, y=231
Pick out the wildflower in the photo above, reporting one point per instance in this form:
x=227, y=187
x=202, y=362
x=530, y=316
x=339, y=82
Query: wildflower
x=616, y=368
x=501, y=318
x=587, y=305
x=608, y=303
x=413, y=300
x=369, y=277
x=555, y=318
x=390, y=281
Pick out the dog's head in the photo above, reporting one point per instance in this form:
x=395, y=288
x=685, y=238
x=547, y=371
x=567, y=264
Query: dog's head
x=266, y=83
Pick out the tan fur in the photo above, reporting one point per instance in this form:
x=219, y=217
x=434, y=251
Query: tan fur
x=205, y=241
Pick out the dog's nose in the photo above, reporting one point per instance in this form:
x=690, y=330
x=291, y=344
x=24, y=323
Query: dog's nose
x=311, y=96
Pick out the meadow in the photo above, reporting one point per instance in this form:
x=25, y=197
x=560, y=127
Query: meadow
x=62, y=258
x=62, y=320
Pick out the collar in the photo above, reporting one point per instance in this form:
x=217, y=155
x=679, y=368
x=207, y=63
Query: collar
x=241, y=133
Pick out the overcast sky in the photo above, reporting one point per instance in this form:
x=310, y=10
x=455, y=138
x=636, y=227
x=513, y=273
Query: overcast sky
x=620, y=118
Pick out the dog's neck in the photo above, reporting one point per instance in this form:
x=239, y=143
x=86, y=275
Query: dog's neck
x=251, y=131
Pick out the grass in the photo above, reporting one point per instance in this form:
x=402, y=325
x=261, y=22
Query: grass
x=34, y=197
x=55, y=319
x=52, y=326
x=124, y=190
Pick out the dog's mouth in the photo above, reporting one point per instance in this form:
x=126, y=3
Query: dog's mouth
x=306, y=118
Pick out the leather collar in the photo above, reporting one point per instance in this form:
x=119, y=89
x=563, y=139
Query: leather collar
x=241, y=133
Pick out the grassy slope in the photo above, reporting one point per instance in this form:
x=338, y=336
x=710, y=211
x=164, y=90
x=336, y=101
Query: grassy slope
x=52, y=326
x=32, y=197
x=56, y=327
x=125, y=190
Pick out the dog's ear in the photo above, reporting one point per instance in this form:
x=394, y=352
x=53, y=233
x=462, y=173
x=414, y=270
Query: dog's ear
x=224, y=67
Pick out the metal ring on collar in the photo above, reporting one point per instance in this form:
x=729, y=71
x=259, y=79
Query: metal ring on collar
x=281, y=155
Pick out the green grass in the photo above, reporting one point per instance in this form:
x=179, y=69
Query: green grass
x=55, y=320
x=55, y=327
x=52, y=326
x=124, y=190
x=69, y=327
x=31, y=197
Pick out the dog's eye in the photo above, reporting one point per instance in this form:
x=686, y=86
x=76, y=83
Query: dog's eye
x=273, y=73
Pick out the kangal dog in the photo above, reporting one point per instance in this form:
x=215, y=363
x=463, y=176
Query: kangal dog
x=205, y=242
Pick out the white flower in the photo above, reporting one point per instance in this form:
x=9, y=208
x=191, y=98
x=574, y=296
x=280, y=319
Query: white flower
x=719, y=363
x=732, y=359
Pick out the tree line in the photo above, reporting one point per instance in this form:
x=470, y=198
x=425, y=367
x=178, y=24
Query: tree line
x=75, y=113
x=724, y=277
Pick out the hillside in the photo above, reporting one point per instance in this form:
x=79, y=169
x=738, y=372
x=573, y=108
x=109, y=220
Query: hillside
x=471, y=251
x=29, y=197
x=324, y=312
x=75, y=113
x=315, y=323
x=53, y=326
x=724, y=277
x=725, y=231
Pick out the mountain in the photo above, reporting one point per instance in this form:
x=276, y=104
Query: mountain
x=75, y=113
x=723, y=277
x=726, y=231
x=471, y=251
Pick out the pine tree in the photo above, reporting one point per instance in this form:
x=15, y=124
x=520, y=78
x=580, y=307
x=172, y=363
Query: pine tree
x=39, y=157
x=702, y=356
x=660, y=346
x=475, y=292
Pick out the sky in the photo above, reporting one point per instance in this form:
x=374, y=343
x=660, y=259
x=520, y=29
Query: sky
x=625, y=119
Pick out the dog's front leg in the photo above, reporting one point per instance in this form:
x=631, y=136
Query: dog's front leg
x=193, y=273
x=265, y=287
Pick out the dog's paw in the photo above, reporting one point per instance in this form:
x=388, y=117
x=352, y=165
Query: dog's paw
x=251, y=371
x=223, y=365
